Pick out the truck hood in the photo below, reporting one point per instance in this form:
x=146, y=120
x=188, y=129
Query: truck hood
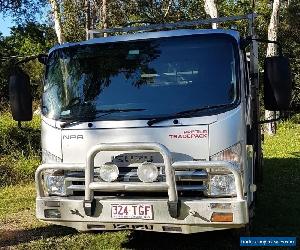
x=185, y=142
x=191, y=139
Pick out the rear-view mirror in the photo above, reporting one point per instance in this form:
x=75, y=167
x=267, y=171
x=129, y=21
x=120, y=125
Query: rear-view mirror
x=20, y=97
x=42, y=58
x=277, y=83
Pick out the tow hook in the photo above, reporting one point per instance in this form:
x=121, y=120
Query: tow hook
x=89, y=207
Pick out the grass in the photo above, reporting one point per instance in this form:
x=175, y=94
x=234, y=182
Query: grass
x=277, y=210
x=279, y=199
x=20, y=229
x=14, y=199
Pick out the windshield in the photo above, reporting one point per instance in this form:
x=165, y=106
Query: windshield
x=147, y=78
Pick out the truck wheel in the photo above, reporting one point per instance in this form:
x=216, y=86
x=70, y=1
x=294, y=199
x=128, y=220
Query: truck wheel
x=258, y=161
x=258, y=167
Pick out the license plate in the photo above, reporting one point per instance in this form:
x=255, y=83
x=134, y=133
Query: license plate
x=135, y=211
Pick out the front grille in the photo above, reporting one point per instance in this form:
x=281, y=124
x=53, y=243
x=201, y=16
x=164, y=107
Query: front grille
x=188, y=182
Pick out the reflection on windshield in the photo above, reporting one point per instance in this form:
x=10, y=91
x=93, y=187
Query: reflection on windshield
x=161, y=76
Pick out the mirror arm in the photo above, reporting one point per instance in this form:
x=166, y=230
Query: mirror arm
x=26, y=59
x=272, y=120
x=247, y=41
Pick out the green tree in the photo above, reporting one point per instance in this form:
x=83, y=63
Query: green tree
x=289, y=31
x=5, y=65
x=25, y=40
x=23, y=11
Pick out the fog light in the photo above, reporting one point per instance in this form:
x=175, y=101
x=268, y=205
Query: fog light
x=147, y=172
x=109, y=172
x=52, y=213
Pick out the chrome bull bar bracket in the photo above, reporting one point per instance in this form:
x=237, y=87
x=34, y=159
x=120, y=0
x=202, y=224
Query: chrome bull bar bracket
x=91, y=186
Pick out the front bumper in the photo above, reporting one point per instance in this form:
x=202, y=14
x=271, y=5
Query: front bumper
x=169, y=215
x=194, y=215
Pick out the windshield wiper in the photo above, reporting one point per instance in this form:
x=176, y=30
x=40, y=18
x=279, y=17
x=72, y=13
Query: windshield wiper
x=89, y=117
x=185, y=113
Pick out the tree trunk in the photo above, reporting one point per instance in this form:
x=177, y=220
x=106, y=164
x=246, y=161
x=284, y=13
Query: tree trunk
x=87, y=7
x=104, y=16
x=94, y=15
x=57, y=21
x=168, y=9
x=270, y=128
x=211, y=10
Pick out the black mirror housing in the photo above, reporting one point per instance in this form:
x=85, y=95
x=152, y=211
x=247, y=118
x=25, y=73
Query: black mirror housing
x=20, y=97
x=42, y=58
x=277, y=83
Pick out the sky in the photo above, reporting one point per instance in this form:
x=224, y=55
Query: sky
x=5, y=24
x=6, y=21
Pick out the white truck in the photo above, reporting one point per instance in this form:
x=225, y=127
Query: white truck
x=155, y=130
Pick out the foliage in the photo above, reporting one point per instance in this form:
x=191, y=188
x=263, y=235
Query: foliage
x=73, y=21
x=168, y=11
x=122, y=12
x=27, y=40
x=20, y=150
x=289, y=35
x=5, y=66
x=23, y=11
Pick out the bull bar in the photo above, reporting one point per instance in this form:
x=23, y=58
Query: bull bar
x=169, y=185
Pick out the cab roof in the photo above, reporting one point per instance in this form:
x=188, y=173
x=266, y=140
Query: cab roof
x=148, y=35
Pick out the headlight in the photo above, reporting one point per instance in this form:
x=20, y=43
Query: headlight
x=147, y=172
x=54, y=182
x=221, y=181
x=221, y=185
x=109, y=172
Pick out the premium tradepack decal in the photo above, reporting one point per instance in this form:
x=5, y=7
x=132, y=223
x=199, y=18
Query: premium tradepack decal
x=190, y=134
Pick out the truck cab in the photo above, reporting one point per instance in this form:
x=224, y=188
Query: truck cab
x=151, y=131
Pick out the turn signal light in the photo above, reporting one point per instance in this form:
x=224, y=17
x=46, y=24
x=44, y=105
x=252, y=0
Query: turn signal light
x=221, y=217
